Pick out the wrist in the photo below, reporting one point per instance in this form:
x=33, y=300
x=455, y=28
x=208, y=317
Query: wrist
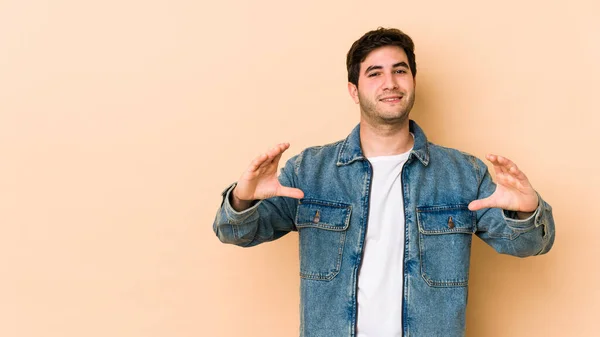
x=524, y=215
x=238, y=204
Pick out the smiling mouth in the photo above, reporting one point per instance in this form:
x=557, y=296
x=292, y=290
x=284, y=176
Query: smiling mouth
x=392, y=99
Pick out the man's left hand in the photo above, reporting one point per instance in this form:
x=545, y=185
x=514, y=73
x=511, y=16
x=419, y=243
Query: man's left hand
x=513, y=190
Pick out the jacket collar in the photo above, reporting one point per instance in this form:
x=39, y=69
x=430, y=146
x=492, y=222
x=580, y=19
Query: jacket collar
x=351, y=151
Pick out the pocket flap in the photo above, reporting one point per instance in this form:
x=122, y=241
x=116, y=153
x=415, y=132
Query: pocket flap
x=446, y=219
x=323, y=214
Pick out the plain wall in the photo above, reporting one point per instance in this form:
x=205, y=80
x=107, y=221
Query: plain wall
x=122, y=121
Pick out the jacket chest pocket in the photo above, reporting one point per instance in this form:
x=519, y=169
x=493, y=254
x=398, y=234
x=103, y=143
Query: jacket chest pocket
x=445, y=234
x=322, y=229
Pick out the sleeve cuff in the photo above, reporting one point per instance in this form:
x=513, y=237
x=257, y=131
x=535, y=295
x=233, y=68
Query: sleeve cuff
x=233, y=216
x=523, y=225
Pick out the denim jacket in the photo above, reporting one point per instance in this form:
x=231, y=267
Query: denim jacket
x=438, y=183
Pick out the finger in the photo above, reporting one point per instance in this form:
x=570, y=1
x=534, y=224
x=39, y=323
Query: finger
x=512, y=170
x=478, y=204
x=277, y=150
x=257, y=162
x=282, y=148
x=267, y=157
x=493, y=159
x=507, y=164
x=517, y=174
x=503, y=161
x=290, y=192
x=510, y=181
x=274, y=151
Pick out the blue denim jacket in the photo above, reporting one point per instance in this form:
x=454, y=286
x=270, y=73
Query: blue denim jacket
x=438, y=184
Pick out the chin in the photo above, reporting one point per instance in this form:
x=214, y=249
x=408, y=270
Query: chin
x=394, y=119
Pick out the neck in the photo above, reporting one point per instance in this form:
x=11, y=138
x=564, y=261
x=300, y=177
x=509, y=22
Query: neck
x=385, y=139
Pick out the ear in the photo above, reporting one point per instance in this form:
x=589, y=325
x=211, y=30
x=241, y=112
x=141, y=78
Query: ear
x=353, y=91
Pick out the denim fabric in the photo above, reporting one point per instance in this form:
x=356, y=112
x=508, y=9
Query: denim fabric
x=438, y=184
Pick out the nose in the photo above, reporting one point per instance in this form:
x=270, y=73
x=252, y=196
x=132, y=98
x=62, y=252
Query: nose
x=390, y=82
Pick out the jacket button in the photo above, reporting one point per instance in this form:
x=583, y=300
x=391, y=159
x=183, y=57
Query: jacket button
x=317, y=217
x=450, y=223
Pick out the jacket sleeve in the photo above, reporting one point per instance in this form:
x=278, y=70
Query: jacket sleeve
x=507, y=234
x=266, y=220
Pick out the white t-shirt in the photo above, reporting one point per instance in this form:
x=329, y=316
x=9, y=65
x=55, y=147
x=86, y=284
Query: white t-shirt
x=380, y=279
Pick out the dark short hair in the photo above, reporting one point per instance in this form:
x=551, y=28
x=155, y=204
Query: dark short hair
x=374, y=39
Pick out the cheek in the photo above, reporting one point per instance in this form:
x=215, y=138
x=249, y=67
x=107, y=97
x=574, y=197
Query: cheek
x=409, y=84
x=369, y=89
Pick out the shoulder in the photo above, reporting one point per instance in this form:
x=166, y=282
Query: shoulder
x=318, y=155
x=448, y=155
x=320, y=150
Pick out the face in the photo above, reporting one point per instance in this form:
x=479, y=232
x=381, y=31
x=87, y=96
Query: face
x=386, y=87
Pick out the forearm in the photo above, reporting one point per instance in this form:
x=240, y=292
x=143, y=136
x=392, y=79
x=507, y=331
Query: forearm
x=263, y=221
x=508, y=234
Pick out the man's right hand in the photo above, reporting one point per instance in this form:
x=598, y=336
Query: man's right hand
x=260, y=181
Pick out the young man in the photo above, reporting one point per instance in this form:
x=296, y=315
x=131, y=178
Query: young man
x=385, y=218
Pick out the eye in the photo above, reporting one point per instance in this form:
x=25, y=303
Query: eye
x=373, y=74
x=401, y=71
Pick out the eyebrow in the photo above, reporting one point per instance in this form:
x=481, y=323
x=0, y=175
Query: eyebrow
x=399, y=64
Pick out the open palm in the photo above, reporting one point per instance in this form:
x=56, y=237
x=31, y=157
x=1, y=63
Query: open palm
x=260, y=181
x=513, y=190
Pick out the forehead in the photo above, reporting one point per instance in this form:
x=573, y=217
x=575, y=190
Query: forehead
x=385, y=57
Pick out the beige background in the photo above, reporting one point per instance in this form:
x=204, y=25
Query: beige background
x=122, y=121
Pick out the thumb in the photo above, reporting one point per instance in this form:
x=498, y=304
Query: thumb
x=478, y=204
x=290, y=192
